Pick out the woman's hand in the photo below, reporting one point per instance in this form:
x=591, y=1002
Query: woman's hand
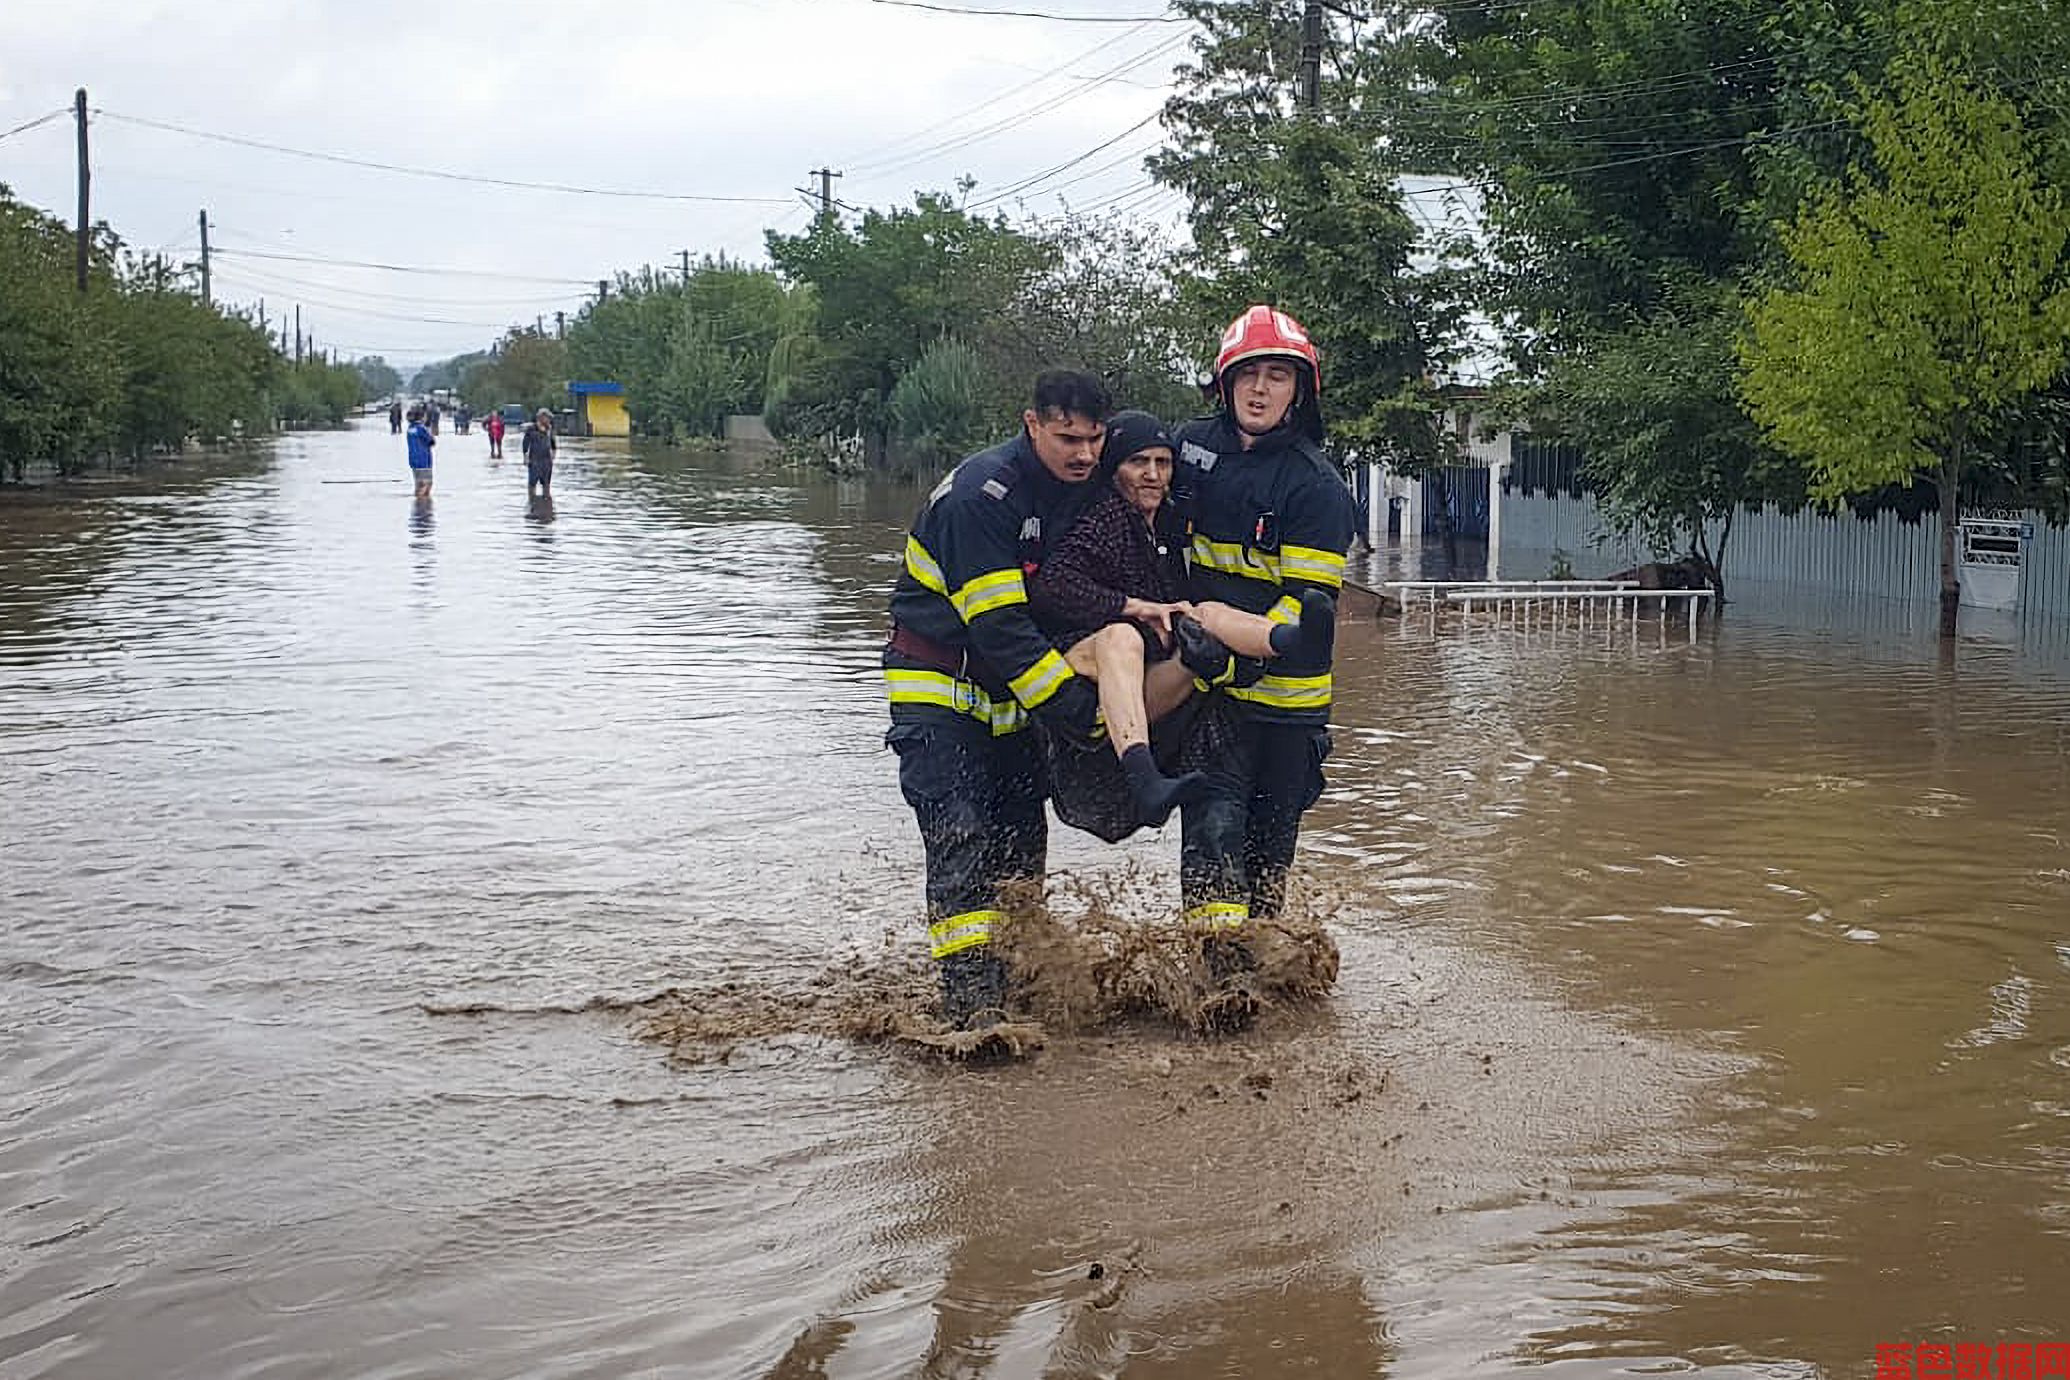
x=1157, y=617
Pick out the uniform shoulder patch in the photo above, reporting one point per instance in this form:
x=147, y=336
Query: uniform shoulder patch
x=1197, y=455
x=997, y=488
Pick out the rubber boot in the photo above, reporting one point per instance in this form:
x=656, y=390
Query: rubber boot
x=1157, y=795
x=1232, y=967
x=1200, y=651
x=973, y=989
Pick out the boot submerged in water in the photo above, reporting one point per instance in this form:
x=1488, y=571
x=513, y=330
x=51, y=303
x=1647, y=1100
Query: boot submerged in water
x=1232, y=1006
x=973, y=989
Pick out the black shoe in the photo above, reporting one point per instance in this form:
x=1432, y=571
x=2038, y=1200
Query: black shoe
x=1200, y=651
x=1155, y=794
x=1315, y=636
x=973, y=989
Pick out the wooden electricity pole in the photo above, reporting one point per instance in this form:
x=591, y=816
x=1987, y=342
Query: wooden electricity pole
x=1311, y=56
x=204, y=259
x=84, y=232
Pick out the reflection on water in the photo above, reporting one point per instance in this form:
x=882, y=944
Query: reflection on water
x=1703, y=1005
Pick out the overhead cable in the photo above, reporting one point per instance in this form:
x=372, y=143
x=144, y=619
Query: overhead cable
x=25, y=127
x=397, y=268
x=441, y=175
x=1165, y=18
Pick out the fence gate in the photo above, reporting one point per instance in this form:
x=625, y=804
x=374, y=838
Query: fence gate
x=1992, y=552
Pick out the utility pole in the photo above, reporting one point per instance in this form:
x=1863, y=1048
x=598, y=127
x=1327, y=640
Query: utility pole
x=1312, y=57
x=204, y=258
x=603, y=290
x=298, y=332
x=826, y=178
x=560, y=325
x=686, y=267
x=83, y=233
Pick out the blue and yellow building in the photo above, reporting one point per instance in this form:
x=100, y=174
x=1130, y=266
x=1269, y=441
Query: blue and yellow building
x=600, y=408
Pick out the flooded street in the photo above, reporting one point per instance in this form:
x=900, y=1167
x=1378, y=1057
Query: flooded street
x=1703, y=1007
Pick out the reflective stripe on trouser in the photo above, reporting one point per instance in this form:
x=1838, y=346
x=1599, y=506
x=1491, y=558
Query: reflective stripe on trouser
x=959, y=932
x=978, y=802
x=1237, y=837
x=1211, y=917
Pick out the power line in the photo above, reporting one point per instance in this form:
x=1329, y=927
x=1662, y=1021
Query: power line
x=1027, y=182
x=477, y=178
x=39, y=120
x=402, y=268
x=883, y=155
x=307, y=299
x=1166, y=18
x=1022, y=117
x=282, y=282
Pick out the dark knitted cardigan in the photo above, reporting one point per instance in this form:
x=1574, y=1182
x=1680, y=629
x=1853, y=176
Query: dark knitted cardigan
x=1109, y=555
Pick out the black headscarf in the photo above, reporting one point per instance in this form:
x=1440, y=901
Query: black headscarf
x=1129, y=432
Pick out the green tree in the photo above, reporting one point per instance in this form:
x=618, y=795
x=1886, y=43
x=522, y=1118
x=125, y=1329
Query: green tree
x=1304, y=210
x=885, y=290
x=1671, y=455
x=938, y=407
x=1928, y=298
x=377, y=379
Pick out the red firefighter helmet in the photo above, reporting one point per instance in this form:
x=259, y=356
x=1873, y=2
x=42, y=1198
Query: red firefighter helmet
x=1264, y=332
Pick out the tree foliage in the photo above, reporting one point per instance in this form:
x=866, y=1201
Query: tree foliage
x=1304, y=210
x=131, y=366
x=1928, y=296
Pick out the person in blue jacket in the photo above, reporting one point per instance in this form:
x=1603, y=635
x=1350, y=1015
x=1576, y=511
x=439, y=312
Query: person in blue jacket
x=420, y=441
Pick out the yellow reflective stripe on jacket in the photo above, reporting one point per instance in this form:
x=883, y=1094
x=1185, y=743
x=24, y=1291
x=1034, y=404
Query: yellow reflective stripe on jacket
x=987, y=592
x=1034, y=686
x=1234, y=558
x=922, y=566
x=1316, y=567
x=1287, y=610
x=944, y=691
x=953, y=934
x=1286, y=692
x=1218, y=915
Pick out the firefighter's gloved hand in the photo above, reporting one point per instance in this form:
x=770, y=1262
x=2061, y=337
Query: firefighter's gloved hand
x=1074, y=710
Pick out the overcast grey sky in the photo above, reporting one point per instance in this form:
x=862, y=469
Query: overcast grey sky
x=722, y=98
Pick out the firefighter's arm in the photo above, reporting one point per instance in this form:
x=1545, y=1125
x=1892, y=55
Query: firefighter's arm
x=981, y=576
x=1315, y=532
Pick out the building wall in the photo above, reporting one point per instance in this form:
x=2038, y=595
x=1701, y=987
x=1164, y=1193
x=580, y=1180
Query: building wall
x=606, y=414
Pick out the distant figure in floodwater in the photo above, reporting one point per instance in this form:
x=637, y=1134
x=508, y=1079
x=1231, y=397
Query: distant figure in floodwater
x=421, y=442
x=431, y=417
x=462, y=415
x=539, y=452
x=494, y=426
x=395, y=418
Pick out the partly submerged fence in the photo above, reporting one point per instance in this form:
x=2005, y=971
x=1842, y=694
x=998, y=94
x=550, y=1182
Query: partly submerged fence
x=1881, y=555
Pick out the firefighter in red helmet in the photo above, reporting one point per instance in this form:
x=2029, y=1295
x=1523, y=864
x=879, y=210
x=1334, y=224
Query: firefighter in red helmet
x=1271, y=520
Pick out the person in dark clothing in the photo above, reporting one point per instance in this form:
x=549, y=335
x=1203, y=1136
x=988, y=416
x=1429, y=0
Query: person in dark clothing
x=1113, y=598
x=965, y=667
x=395, y=418
x=1271, y=520
x=540, y=448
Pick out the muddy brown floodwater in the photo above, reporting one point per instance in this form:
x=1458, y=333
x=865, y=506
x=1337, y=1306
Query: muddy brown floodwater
x=432, y=944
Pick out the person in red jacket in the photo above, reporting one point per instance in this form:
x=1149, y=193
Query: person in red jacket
x=494, y=426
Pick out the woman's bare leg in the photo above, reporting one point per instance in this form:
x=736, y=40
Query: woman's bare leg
x=1113, y=658
x=1250, y=634
x=1246, y=634
x=1165, y=687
